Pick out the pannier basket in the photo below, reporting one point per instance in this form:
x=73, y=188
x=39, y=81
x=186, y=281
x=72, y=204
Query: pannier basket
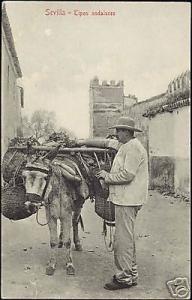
x=12, y=203
x=12, y=164
x=103, y=208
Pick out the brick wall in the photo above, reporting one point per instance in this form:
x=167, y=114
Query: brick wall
x=104, y=120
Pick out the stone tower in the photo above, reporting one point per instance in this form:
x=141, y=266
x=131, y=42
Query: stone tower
x=106, y=105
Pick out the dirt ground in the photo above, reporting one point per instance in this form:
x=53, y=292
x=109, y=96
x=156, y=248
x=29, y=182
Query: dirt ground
x=163, y=248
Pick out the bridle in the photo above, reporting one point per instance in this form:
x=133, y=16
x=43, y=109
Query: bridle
x=42, y=202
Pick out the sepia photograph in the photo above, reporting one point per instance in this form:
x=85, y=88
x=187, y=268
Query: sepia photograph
x=95, y=149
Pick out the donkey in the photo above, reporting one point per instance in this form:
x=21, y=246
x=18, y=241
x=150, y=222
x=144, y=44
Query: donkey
x=45, y=183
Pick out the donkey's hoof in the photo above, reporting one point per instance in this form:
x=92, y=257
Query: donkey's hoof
x=78, y=247
x=70, y=270
x=50, y=270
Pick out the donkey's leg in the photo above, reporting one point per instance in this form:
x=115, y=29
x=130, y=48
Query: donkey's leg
x=60, y=245
x=76, y=238
x=51, y=266
x=66, y=222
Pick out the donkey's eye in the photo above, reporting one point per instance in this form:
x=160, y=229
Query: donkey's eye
x=41, y=181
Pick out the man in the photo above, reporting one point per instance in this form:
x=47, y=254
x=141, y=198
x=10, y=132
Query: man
x=128, y=189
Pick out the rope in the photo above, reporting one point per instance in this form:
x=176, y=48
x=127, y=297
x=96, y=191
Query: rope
x=87, y=177
x=84, y=164
x=97, y=160
x=37, y=216
x=16, y=172
x=109, y=247
x=9, y=161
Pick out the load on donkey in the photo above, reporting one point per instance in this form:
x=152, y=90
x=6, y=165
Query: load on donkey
x=60, y=179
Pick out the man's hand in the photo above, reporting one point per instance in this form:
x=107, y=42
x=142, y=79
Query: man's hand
x=101, y=174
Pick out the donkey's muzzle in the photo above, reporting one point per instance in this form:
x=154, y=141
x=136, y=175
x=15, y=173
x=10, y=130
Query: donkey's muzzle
x=33, y=198
x=33, y=202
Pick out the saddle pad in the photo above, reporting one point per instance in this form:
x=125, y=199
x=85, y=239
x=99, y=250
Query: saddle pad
x=65, y=161
x=72, y=168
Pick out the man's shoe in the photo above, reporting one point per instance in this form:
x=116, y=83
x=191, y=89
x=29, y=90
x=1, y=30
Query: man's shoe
x=115, y=285
x=134, y=281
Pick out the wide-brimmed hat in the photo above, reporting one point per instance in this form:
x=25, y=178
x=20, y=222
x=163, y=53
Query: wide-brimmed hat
x=126, y=123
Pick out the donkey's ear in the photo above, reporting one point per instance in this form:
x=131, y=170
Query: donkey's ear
x=52, y=154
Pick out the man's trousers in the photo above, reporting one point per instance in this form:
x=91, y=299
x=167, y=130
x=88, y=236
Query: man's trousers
x=124, y=244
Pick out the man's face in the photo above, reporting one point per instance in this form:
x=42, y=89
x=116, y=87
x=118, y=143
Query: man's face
x=121, y=135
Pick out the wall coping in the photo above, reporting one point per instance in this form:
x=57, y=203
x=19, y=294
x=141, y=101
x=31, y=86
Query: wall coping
x=166, y=106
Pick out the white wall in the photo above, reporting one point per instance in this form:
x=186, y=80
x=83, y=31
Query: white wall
x=161, y=135
x=182, y=132
x=169, y=135
x=10, y=102
x=182, y=150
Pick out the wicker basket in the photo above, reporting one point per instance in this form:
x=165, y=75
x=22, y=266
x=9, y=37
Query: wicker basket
x=12, y=163
x=12, y=203
x=103, y=208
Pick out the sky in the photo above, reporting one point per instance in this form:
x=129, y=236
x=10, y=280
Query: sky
x=145, y=44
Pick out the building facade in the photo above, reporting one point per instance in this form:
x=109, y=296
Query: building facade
x=12, y=94
x=164, y=120
x=169, y=138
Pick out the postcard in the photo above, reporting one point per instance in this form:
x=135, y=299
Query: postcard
x=95, y=145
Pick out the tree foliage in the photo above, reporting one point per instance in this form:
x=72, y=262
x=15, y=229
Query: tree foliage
x=41, y=124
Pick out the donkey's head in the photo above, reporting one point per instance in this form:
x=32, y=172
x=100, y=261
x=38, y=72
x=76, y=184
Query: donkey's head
x=36, y=175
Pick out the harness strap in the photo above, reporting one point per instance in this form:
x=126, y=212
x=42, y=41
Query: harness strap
x=30, y=168
x=46, y=185
x=42, y=202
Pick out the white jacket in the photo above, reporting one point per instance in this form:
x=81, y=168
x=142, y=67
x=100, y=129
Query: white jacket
x=130, y=158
